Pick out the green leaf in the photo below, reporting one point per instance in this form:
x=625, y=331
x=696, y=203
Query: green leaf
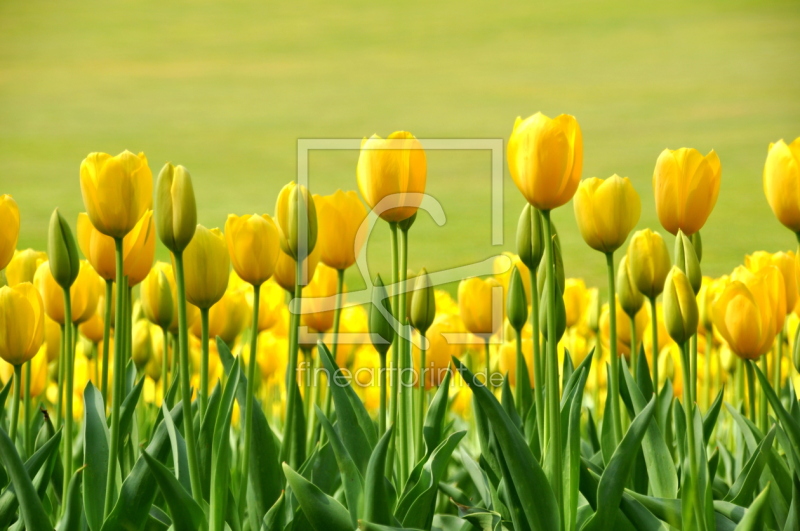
x=128, y=408
x=323, y=512
x=754, y=517
x=221, y=453
x=377, y=506
x=30, y=505
x=660, y=468
x=525, y=473
x=433, y=428
x=96, y=443
x=479, y=478
x=180, y=459
x=572, y=455
x=710, y=418
x=608, y=442
x=612, y=482
x=71, y=519
x=139, y=489
x=787, y=421
x=742, y=490
x=205, y=439
x=186, y=515
x=369, y=526
x=352, y=481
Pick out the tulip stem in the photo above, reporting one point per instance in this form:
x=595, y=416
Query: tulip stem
x=337, y=313
x=382, y=410
x=395, y=357
x=183, y=338
x=204, y=361
x=406, y=386
x=538, y=363
x=106, y=339
x=707, y=378
x=61, y=355
x=15, y=402
x=763, y=406
x=249, y=398
x=521, y=373
x=290, y=449
x=654, y=350
x=751, y=388
x=553, y=452
x=69, y=369
x=422, y=399
x=693, y=375
x=613, y=384
x=776, y=368
x=27, y=407
x=688, y=406
x=164, y=364
x=634, y=350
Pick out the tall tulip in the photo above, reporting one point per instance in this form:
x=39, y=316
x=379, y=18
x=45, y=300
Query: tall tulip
x=782, y=182
x=686, y=186
x=9, y=229
x=340, y=216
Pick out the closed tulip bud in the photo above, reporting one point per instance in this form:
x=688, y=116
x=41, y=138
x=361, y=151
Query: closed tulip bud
x=156, y=297
x=296, y=216
x=530, y=237
x=207, y=267
x=686, y=260
x=630, y=298
x=686, y=186
x=516, y=304
x=142, y=343
x=116, y=191
x=648, y=262
x=423, y=303
x=781, y=181
x=340, y=216
x=561, y=313
x=680, y=306
x=23, y=265
x=479, y=301
x=62, y=251
x=22, y=323
x=391, y=175
x=380, y=326
x=545, y=159
x=606, y=211
x=9, y=229
x=253, y=243
x=176, y=210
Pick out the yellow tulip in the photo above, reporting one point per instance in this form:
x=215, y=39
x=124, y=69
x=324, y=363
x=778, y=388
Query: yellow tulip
x=575, y=300
x=21, y=323
x=630, y=298
x=680, y=306
x=116, y=191
x=253, y=243
x=545, y=159
x=9, y=229
x=478, y=301
x=272, y=352
x=507, y=359
x=192, y=311
x=176, y=208
x=23, y=266
x=709, y=291
x=38, y=373
x=285, y=269
x=686, y=186
x=295, y=213
x=743, y=315
x=392, y=174
x=774, y=287
x=664, y=339
x=207, y=267
x=624, y=338
x=319, y=300
x=142, y=341
x=156, y=297
x=785, y=262
x=52, y=338
x=92, y=329
x=85, y=293
x=227, y=318
x=138, y=249
x=782, y=182
x=648, y=262
x=340, y=217
x=440, y=351
x=606, y=211
x=353, y=325
x=271, y=300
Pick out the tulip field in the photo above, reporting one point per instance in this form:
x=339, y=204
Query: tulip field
x=234, y=388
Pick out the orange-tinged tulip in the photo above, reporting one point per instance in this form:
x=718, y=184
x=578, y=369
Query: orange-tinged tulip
x=686, y=186
x=253, y=243
x=478, y=302
x=340, y=216
x=285, y=269
x=782, y=182
x=84, y=293
x=207, y=267
x=116, y=190
x=9, y=228
x=21, y=323
x=648, y=262
x=606, y=211
x=391, y=175
x=23, y=265
x=319, y=299
x=545, y=159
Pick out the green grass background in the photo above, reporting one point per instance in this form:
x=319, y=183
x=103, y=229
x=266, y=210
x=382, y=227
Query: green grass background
x=227, y=87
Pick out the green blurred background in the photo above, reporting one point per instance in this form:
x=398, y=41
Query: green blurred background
x=227, y=88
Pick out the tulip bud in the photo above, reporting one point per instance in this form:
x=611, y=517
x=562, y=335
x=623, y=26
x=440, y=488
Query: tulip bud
x=62, y=251
x=142, y=343
x=423, y=303
x=561, y=313
x=530, y=237
x=382, y=333
x=295, y=212
x=176, y=210
x=606, y=211
x=516, y=304
x=680, y=306
x=207, y=267
x=648, y=261
x=156, y=297
x=630, y=298
x=686, y=260
x=9, y=228
x=560, y=277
